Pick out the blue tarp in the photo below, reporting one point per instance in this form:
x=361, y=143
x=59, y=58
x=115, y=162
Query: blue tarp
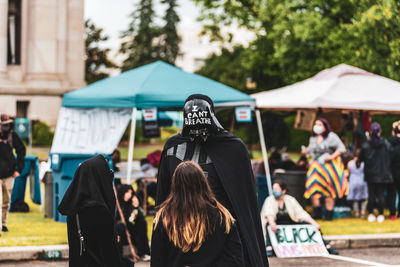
x=154, y=85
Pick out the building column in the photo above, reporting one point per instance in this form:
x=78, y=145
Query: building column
x=3, y=34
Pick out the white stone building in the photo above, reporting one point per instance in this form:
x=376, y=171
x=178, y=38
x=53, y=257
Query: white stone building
x=41, y=55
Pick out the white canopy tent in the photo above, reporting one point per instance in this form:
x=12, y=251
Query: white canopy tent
x=341, y=87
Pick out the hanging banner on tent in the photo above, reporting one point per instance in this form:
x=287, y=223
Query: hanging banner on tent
x=301, y=240
x=305, y=119
x=243, y=114
x=89, y=131
x=151, y=127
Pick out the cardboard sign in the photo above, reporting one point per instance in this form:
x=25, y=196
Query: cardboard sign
x=299, y=240
x=149, y=114
x=243, y=114
x=305, y=119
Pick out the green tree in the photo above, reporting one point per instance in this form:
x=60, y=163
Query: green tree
x=97, y=61
x=140, y=39
x=169, y=48
x=227, y=67
x=298, y=38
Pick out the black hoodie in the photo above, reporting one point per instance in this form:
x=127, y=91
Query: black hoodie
x=395, y=142
x=377, y=160
x=8, y=164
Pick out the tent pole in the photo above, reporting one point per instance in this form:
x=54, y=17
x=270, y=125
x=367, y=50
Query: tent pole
x=264, y=151
x=131, y=144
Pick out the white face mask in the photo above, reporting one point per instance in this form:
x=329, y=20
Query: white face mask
x=318, y=129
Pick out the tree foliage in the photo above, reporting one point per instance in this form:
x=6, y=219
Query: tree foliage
x=145, y=42
x=297, y=38
x=169, y=35
x=97, y=61
x=139, y=40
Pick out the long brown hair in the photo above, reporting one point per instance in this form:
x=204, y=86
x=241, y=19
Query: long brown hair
x=184, y=214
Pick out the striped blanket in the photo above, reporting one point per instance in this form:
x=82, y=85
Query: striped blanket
x=326, y=179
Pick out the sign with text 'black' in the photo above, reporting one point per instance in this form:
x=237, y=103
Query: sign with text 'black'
x=301, y=240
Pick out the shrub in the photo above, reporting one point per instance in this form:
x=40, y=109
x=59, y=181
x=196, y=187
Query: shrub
x=42, y=135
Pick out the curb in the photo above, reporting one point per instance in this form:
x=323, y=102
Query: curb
x=51, y=252
x=364, y=241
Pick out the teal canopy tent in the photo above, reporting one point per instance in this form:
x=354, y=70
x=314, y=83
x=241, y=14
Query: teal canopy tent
x=158, y=85
x=154, y=85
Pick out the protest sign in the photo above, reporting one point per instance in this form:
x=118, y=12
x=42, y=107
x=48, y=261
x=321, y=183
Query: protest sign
x=299, y=240
x=243, y=114
x=150, y=124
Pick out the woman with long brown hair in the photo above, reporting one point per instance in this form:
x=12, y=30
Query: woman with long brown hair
x=191, y=228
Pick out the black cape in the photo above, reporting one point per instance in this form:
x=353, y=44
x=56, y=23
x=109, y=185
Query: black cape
x=92, y=186
x=232, y=163
x=91, y=196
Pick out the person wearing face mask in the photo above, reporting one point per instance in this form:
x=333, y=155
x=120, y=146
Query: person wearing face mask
x=325, y=175
x=225, y=162
x=283, y=209
x=10, y=166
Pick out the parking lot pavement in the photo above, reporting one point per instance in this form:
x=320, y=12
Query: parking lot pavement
x=348, y=258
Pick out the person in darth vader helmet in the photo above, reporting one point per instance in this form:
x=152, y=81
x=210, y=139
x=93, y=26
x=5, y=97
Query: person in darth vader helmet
x=226, y=164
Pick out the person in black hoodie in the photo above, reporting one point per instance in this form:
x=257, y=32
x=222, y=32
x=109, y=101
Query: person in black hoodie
x=191, y=228
x=10, y=167
x=89, y=204
x=394, y=140
x=376, y=155
x=135, y=219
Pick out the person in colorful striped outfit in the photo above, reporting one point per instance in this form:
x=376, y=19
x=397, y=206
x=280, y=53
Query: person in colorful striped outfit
x=325, y=175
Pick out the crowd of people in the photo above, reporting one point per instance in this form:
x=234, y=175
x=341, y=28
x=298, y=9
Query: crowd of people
x=198, y=218
x=368, y=182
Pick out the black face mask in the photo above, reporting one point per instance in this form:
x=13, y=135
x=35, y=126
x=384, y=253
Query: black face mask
x=6, y=128
x=199, y=120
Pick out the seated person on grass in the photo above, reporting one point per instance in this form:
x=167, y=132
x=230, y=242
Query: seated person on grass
x=280, y=208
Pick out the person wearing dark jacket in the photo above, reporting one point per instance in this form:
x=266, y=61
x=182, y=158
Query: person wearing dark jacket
x=394, y=141
x=191, y=228
x=89, y=204
x=10, y=167
x=135, y=220
x=226, y=164
x=376, y=155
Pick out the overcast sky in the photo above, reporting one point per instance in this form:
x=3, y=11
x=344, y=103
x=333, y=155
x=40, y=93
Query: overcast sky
x=112, y=16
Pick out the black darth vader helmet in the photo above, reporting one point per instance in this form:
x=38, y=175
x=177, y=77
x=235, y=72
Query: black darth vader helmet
x=200, y=121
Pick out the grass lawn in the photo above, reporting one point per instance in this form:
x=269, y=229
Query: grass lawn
x=140, y=151
x=28, y=229
x=343, y=226
x=32, y=228
x=354, y=226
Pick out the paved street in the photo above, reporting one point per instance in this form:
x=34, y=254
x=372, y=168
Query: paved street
x=50, y=264
x=375, y=256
